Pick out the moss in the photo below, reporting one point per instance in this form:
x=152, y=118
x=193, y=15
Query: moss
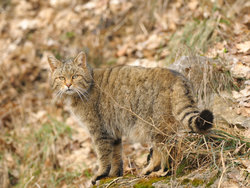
x=213, y=179
x=106, y=180
x=143, y=185
x=147, y=183
x=197, y=182
x=129, y=176
x=185, y=181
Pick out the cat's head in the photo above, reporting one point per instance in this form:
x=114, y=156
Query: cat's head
x=71, y=77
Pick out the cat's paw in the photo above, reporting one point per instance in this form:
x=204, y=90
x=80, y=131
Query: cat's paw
x=98, y=177
x=146, y=171
x=159, y=173
x=151, y=167
x=116, y=173
x=116, y=170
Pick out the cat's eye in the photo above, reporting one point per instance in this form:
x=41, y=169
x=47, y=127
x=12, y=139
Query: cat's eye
x=61, y=78
x=75, y=76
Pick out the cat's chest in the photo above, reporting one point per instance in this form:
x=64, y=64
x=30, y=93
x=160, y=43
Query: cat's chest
x=78, y=116
x=79, y=119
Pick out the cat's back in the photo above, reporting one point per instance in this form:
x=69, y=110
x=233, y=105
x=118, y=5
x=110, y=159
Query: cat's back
x=131, y=76
x=140, y=89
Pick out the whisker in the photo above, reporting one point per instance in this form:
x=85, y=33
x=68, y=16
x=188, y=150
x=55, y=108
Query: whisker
x=61, y=94
x=79, y=88
x=58, y=93
x=81, y=93
x=84, y=94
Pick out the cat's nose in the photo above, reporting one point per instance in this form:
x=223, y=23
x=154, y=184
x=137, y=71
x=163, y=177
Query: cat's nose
x=68, y=85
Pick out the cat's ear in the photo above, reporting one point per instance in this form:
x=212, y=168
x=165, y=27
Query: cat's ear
x=54, y=63
x=81, y=60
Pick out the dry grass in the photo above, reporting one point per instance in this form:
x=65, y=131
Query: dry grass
x=208, y=76
x=207, y=150
x=198, y=160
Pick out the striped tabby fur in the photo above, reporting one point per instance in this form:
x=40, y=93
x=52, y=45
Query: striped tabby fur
x=148, y=105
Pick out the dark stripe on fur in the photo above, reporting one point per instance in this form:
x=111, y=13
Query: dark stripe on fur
x=117, y=142
x=149, y=155
x=108, y=75
x=186, y=114
x=190, y=122
x=183, y=108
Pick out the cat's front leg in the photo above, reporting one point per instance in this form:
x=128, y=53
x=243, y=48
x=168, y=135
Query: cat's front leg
x=117, y=163
x=104, y=146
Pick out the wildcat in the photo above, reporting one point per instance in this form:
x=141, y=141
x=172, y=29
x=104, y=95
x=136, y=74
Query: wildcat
x=148, y=105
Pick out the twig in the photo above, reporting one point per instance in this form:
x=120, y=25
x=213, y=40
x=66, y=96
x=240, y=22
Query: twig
x=223, y=164
x=37, y=185
x=113, y=181
x=130, y=165
x=133, y=180
x=26, y=184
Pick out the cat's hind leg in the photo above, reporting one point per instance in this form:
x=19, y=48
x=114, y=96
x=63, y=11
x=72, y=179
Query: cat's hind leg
x=163, y=169
x=168, y=158
x=154, y=162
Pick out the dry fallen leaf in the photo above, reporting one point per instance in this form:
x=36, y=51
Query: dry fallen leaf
x=193, y=4
x=240, y=70
x=246, y=163
x=244, y=47
x=230, y=184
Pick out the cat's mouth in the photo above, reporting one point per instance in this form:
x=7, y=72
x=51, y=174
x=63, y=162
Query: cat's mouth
x=69, y=91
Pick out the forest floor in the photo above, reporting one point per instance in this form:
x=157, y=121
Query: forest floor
x=208, y=41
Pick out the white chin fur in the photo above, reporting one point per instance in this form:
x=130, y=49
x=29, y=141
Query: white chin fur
x=69, y=92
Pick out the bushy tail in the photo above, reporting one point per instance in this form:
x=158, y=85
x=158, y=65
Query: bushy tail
x=204, y=121
x=197, y=122
x=185, y=108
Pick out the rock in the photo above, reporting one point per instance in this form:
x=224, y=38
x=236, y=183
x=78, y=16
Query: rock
x=223, y=107
x=243, y=47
